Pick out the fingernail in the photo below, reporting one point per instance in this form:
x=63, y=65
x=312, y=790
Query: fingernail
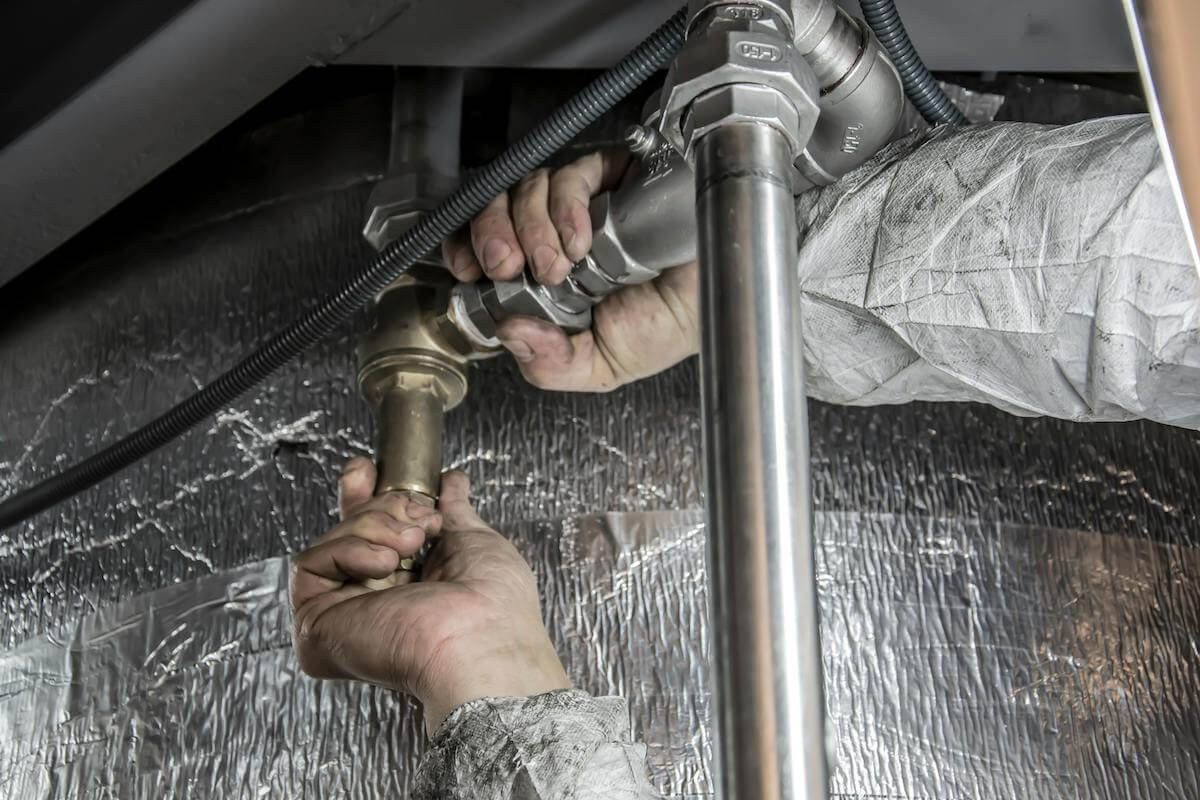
x=462, y=263
x=377, y=547
x=543, y=260
x=521, y=351
x=494, y=253
x=568, y=235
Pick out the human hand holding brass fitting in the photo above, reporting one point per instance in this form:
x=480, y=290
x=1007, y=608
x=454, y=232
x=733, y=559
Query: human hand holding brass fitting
x=470, y=628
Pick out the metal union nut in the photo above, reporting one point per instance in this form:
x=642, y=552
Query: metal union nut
x=527, y=298
x=396, y=204
x=743, y=102
x=719, y=57
x=479, y=307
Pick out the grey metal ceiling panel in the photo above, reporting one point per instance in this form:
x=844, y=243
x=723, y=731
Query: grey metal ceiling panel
x=189, y=80
x=219, y=58
x=968, y=35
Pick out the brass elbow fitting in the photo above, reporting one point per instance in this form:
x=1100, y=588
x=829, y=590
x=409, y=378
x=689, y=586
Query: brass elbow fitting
x=412, y=369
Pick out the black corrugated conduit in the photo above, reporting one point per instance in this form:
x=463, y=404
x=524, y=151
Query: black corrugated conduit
x=921, y=87
x=468, y=200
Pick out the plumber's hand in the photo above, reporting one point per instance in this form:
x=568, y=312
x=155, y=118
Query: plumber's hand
x=470, y=628
x=544, y=223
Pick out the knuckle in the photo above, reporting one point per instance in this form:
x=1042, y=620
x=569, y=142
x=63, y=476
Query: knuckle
x=570, y=179
x=374, y=518
x=537, y=374
x=532, y=182
x=488, y=222
x=534, y=230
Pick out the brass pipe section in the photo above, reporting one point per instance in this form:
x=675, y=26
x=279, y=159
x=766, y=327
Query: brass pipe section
x=412, y=370
x=409, y=454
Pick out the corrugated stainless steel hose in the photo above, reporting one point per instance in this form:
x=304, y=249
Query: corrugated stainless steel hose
x=468, y=200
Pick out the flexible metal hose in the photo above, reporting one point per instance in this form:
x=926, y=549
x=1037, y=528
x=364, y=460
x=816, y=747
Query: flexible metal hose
x=921, y=87
x=468, y=200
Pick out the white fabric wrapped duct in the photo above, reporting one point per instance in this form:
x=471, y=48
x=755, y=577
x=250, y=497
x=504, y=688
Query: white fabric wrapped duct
x=1040, y=269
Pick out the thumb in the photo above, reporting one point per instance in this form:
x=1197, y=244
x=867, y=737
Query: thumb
x=454, y=502
x=550, y=360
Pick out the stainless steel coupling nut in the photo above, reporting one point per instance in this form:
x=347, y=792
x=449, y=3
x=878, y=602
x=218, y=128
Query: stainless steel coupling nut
x=747, y=102
x=476, y=309
x=726, y=53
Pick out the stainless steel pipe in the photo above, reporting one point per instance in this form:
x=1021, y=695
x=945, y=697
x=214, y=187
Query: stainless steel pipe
x=769, y=694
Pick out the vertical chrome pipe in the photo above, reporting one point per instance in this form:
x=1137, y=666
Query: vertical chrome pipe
x=769, y=695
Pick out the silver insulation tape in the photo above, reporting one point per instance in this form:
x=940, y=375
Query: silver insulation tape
x=961, y=660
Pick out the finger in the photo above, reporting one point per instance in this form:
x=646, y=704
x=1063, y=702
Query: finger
x=400, y=507
x=460, y=257
x=495, y=241
x=550, y=360
x=383, y=528
x=406, y=508
x=306, y=614
x=454, y=501
x=536, y=233
x=356, y=485
x=571, y=190
x=328, y=566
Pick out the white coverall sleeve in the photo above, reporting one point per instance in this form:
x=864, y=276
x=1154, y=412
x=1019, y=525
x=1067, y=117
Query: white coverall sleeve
x=564, y=744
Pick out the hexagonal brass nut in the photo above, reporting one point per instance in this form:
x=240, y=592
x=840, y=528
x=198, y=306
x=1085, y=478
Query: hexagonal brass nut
x=721, y=57
x=743, y=102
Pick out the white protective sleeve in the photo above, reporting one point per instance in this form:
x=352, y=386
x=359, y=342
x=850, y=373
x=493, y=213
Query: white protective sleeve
x=1041, y=269
x=553, y=746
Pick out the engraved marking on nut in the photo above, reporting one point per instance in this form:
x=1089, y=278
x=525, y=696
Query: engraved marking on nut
x=760, y=51
x=742, y=12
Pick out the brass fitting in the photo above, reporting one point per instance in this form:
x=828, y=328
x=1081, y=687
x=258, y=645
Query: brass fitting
x=412, y=369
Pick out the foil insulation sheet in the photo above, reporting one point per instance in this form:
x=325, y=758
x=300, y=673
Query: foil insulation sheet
x=1009, y=602
x=961, y=660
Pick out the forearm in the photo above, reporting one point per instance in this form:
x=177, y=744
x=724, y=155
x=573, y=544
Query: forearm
x=553, y=745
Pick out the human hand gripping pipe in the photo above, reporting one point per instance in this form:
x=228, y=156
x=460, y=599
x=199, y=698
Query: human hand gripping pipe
x=648, y=223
